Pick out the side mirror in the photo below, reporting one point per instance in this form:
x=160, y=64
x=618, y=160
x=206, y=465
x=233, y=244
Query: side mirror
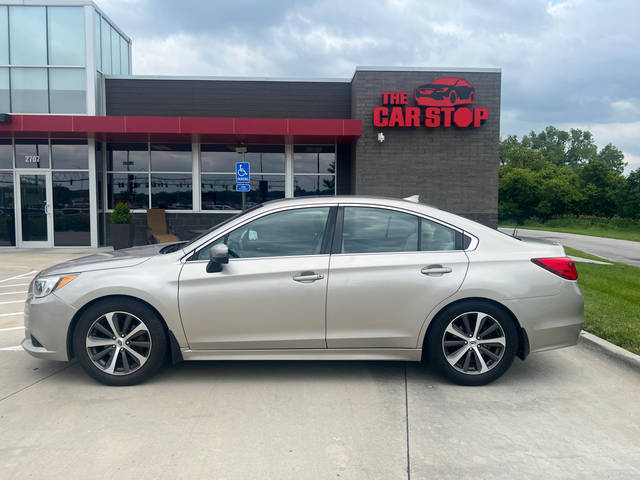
x=218, y=256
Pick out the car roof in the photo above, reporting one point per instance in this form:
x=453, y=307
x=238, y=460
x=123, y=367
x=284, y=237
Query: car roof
x=380, y=201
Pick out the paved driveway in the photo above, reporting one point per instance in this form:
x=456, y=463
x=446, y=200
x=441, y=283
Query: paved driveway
x=570, y=413
x=624, y=251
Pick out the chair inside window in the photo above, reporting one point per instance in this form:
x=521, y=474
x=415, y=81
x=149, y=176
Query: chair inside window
x=157, y=231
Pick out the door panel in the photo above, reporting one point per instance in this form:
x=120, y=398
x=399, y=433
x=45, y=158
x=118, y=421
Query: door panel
x=382, y=300
x=35, y=209
x=255, y=303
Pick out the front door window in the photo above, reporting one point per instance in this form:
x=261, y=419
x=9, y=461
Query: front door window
x=33, y=208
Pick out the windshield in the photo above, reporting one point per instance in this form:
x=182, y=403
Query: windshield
x=207, y=232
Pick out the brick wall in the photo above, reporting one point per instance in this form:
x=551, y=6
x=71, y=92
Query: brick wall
x=451, y=168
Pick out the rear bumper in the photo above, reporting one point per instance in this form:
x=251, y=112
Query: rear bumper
x=47, y=319
x=552, y=321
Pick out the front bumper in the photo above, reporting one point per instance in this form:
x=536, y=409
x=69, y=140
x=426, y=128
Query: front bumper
x=47, y=321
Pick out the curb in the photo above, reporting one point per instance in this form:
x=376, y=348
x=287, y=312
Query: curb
x=609, y=349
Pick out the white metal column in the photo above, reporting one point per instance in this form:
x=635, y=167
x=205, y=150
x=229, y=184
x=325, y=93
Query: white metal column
x=195, y=177
x=288, y=177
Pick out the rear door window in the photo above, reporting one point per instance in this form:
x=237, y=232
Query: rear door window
x=372, y=230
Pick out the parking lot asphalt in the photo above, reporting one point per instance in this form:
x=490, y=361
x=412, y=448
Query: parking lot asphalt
x=571, y=413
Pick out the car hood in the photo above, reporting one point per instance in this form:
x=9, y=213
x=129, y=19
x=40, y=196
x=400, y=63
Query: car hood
x=128, y=257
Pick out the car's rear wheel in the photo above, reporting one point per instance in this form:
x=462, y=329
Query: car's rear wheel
x=453, y=98
x=473, y=343
x=120, y=342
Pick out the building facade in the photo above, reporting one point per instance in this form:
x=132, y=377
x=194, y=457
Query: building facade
x=81, y=134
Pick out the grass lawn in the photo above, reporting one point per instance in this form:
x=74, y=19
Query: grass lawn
x=611, y=300
x=620, y=228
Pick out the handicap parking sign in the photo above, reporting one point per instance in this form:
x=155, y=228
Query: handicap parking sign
x=242, y=172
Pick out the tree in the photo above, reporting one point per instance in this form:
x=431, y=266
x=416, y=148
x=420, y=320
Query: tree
x=582, y=148
x=517, y=154
x=551, y=142
x=559, y=190
x=630, y=201
x=518, y=193
x=602, y=187
x=613, y=157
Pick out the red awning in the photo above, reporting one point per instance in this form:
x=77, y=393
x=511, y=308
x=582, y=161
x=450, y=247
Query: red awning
x=184, y=129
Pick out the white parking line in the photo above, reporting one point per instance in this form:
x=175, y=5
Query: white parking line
x=17, y=348
x=8, y=329
x=14, y=285
x=12, y=301
x=18, y=276
x=11, y=314
x=13, y=293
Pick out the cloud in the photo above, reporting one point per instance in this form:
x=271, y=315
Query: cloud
x=566, y=62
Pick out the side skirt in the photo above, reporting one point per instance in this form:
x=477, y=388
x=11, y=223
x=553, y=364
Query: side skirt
x=400, y=354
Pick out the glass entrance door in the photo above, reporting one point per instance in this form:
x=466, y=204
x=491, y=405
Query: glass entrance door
x=34, y=210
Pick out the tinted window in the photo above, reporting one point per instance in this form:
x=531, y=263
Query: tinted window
x=7, y=225
x=32, y=154
x=293, y=232
x=129, y=188
x=127, y=157
x=69, y=154
x=171, y=191
x=71, y=208
x=28, y=35
x=369, y=230
x=6, y=154
x=436, y=237
x=67, y=90
x=29, y=90
x=171, y=157
x=66, y=36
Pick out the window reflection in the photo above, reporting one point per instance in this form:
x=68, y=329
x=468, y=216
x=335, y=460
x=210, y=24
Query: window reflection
x=28, y=34
x=67, y=90
x=71, y=208
x=127, y=157
x=171, y=191
x=130, y=188
x=6, y=154
x=32, y=153
x=171, y=157
x=69, y=154
x=305, y=185
x=66, y=35
x=29, y=92
x=7, y=213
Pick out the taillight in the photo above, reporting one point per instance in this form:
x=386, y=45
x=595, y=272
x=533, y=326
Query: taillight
x=563, y=266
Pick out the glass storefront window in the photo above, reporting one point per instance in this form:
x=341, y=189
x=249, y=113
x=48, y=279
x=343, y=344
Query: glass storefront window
x=105, y=33
x=7, y=213
x=218, y=158
x=127, y=157
x=29, y=92
x=115, y=52
x=69, y=154
x=128, y=187
x=67, y=90
x=266, y=158
x=314, y=159
x=32, y=153
x=4, y=36
x=6, y=154
x=28, y=33
x=66, y=36
x=71, y=208
x=305, y=185
x=5, y=105
x=96, y=40
x=124, y=57
x=171, y=157
x=171, y=191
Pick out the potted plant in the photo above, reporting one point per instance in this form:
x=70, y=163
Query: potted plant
x=121, y=226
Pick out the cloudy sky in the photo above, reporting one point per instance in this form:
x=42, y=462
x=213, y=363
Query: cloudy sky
x=569, y=63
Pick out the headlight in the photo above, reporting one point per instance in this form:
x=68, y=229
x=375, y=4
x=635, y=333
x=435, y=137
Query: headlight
x=43, y=286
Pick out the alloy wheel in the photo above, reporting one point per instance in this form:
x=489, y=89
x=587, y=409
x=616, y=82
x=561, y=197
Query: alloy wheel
x=473, y=343
x=118, y=343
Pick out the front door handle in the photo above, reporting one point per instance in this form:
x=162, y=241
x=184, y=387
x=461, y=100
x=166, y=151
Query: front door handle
x=308, y=277
x=435, y=270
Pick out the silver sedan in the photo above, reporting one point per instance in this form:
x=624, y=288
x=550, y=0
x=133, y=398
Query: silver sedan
x=338, y=278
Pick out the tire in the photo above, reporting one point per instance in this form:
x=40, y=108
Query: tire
x=453, y=98
x=485, y=355
x=140, y=343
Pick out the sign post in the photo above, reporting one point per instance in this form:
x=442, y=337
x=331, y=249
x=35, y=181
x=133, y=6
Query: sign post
x=243, y=179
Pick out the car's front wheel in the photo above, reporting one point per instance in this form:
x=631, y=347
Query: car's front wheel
x=472, y=343
x=120, y=342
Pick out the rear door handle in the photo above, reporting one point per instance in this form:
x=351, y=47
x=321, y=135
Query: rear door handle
x=308, y=277
x=435, y=270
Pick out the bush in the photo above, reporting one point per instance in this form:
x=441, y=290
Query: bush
x=121, y=213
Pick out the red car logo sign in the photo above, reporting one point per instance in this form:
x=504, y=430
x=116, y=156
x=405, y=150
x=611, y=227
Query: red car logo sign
x=445, y=102
x=445, y=92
